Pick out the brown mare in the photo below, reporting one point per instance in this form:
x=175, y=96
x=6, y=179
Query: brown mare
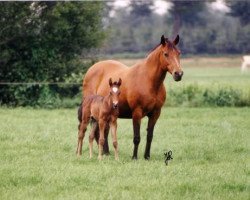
x=104, y=111
x=142, y=92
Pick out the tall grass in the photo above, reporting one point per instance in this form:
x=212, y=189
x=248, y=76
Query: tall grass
x=210, y=157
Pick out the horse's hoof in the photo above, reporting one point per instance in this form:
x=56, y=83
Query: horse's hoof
x=147, y=157
x=106, y=153
x=134, y=157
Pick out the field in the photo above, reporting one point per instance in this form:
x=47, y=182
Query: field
x=210, y=148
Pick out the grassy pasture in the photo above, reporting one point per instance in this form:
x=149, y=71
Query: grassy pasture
x=210, y=150
x=210, y=147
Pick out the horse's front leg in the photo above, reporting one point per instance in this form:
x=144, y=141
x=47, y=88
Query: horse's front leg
x=137, y=115
x=152, y=119
x=113, y=126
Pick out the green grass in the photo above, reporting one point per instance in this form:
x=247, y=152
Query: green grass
x=210, y=150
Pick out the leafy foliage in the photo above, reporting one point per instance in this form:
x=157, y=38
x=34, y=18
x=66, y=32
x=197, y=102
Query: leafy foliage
x=202, y=30
x=42, y=42
x=240, y=9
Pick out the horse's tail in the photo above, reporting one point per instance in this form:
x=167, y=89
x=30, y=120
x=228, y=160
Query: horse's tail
x=92, y=121
x=80, y=113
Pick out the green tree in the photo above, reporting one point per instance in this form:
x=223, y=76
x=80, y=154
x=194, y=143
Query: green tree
x=42, y=41
x=240, y=9
x=186, y=13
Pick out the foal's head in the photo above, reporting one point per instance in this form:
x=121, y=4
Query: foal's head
x=115, y=92
x=170, y=57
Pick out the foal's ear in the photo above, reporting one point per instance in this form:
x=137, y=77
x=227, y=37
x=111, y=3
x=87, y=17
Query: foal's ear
x=119, y=82
x=163, y=40
x=176, y=40
x=110, y=82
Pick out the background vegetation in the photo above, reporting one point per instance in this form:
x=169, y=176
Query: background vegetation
x=46, y=47
x=203, y=29
x=42, y=42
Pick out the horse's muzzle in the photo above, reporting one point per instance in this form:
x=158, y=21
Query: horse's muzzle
x=178, y=75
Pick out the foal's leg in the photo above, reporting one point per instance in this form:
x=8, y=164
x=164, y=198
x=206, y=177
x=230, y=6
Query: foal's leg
x=91, y=138
x=85, y=116
x=81, y=134
x=152, y=119
x=113, y=126
x=137, y=115
x=102, y=125
x=106, y=145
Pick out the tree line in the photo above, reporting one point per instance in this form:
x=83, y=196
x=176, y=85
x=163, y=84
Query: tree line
x=203, y=30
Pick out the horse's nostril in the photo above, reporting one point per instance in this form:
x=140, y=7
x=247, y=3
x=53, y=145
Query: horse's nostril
x=178, y=74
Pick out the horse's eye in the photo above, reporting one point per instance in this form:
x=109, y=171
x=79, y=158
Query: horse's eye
x=166, y=54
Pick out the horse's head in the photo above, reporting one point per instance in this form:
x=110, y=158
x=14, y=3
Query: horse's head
x=115, y=92
x=170, y=57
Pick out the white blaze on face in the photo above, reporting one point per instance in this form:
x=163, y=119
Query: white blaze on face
x=115, y=89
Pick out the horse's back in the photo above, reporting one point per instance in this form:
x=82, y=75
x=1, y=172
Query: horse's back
x=99, y=74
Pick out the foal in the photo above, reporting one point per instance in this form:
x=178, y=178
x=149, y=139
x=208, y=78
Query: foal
x=102, y=110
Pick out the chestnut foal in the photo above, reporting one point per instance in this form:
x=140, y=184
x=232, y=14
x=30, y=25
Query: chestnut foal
x=103, y=111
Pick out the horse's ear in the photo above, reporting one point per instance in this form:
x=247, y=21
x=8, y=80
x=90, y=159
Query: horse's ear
x=119, y=82
x=110, y=82
x=163, y=40
x=176, y=40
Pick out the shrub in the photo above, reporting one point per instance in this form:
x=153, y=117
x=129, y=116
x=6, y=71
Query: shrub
x=195, y=96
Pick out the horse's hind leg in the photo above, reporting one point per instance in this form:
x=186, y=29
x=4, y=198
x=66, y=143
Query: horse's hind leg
x=152, y=119
x=91, y=138
x=114, y=138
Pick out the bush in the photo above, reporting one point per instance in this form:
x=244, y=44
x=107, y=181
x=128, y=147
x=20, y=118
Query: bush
x=196, y=96
x=43, y=42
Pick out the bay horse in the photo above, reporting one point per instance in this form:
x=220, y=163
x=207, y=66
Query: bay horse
x=142, y=92
x=103, y=111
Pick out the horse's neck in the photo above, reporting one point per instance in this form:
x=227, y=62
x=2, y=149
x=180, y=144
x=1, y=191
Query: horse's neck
x=153, y=69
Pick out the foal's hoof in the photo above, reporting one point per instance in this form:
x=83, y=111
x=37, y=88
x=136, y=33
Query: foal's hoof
x=78, y=155
x=99, y=157
x=146, y=157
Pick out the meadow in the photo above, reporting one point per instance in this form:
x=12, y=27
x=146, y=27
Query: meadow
x=210, y=146
x=210, y=157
